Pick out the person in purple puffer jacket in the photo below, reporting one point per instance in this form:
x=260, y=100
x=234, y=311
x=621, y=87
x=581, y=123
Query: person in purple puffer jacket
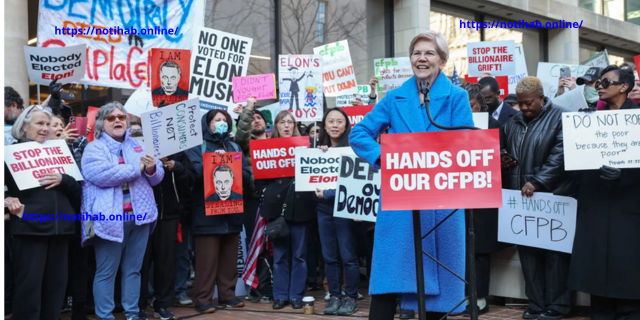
x=118, y=179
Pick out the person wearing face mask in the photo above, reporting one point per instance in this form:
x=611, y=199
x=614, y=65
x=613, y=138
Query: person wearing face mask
x=499, y=110
x=606, y=257
x=40, y=248
x=290, y=252
x=535, y=163
x=216, y=236
x=402, y=110
x=589, y=80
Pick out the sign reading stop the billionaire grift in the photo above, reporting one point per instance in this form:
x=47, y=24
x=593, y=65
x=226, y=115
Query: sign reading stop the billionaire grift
x=275, y=158
x=441, y=170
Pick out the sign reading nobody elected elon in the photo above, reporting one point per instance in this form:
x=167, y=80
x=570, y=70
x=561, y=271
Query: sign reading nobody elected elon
x=441, y=170
x=358, y=191
x=318, y=169
x=542, y=221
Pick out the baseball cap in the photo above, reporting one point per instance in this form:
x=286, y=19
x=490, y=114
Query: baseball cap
x=592, y=74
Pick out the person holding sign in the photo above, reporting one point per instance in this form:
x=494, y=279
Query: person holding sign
x=216, y=236
x=401, y=111
x=281, y=200
x=373, y=83
x=606, y=256
x=119, y=177
x=534, y=156
x=39, y=248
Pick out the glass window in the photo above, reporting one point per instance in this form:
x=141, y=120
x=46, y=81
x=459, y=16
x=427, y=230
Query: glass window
x=633, y=11
x=614, y=9
x=592, y=5
x=458, y=37
x=320, y=22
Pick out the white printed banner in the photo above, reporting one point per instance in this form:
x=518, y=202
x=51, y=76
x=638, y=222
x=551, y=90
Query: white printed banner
x=392, y=72
x=338, y=75
x=521, y=68
x=46, y=64
x=594, y=139
x=363, y=94
x=117, y=58
x=216, y=58
x=543, y=221
x=298, y=73
x=549, y=73
x=318, y=169
x=495, y=57
x=172, y=129
x=358, y=190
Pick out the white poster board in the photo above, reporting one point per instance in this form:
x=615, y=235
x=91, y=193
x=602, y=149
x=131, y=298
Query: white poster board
x=318, y=169
x=338, y=77
x=46, y=64
x=571, y=100
x=495, y=57
x=543, y=221
x=594, y=139
x=600, y=60
x=300, y=89
x=392, y=72
x=480, y=119
x=358, y=190
x=172, y=129
x=549, y=73
x=521, y=68
x=139, y=102
x=28, y=161
x=363, y=94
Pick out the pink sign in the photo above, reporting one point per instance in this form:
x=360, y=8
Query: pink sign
x=263, y=87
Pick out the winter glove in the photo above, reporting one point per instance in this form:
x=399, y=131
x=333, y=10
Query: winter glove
x=610, y=174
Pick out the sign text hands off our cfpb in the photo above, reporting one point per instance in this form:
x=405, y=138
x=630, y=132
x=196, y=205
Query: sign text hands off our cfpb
x=520, y=24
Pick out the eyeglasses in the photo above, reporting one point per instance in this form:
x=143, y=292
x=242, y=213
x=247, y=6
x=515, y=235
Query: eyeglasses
x=606, y=83
x=37, y=107
x=285, y=122
x=121, y=117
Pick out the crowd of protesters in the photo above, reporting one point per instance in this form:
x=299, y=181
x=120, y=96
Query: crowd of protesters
x=109, y=266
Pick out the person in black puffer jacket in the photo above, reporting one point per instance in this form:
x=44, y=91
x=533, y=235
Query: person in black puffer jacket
x=216, y=237
x=534, y=138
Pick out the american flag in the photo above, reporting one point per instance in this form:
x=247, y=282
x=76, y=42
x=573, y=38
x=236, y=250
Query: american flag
x=249, y=274
x=455, y=79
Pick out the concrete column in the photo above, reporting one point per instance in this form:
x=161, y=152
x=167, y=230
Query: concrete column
x=16, y=26
x=564, y=46
x=375, y=35
x=410, y=18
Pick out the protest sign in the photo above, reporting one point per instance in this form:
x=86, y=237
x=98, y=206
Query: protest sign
x=392, y=72
x=169, y=75
x=357, y=113
x=521, y=68
x=28, y=161
x=338, y=76
x=115, y=56
x=216, y=58
x=503, y=83
x=91, y=121
x=222, y=183
x=263, y=87
x=345, y=100
x=571, y=100
x=441, y=170
x=297, y=72
x=358, y=190
x=549, y=73
x=480, y=120
x=172, y=129
x=318, y=169
x=543, y=221
x=275, y=158
x=139, y=102
x=594, y=139
x=636, y=59
x=46, y=64
x=600, y=60
x=495, y=57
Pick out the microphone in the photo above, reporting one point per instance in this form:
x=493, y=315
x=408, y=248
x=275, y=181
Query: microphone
x=424, y=89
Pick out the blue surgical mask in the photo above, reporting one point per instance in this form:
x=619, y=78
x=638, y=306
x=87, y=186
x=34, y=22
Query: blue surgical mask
x=221, y=127
x=591, y=94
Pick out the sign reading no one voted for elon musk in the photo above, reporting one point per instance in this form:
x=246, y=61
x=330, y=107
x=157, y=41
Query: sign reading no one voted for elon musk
x=358, y=190
x=275, y=158
x=29, y=161
x=542, y=221
x=441, y=170
x=318, y=169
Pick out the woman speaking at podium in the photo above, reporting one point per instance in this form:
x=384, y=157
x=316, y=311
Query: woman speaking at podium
x=402, y=111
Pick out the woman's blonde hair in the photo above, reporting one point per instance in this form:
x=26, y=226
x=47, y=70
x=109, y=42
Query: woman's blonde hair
x=281, y=115
x=530, y=85
x=442, y=46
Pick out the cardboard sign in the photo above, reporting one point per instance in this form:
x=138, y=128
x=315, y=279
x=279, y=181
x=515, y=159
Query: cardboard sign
x=91, y=121
x=297, y=73
x=318, y=169
x=358, y=190
x=338, y=76
x=169, y=75
x=441, y=170
x=222, y=183
x=263, y=87
x=495, y=57
x=572, y=100
x=521, y=68
x=217, y=57
x=543, y=221
x=392, y=72
x=275, y=158
x=115, y=56
x=30, y=160
x=503, y=83
x=345, y=101
x=172, y=129
x=549, y=73
x=357, y=113
x=46, y=64
x=600, y=60
x=480, y=120
x=594, y=139
x=139, y=102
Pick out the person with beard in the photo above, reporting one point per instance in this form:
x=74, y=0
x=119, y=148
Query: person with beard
x=13, y=107
x=499, y=110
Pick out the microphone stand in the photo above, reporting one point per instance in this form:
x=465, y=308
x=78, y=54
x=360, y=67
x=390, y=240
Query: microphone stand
x=417, y=237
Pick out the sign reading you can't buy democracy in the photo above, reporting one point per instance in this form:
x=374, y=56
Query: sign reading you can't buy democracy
x=275, y=158
x=338, y=78
x=46, y=64
x=441, y=170
x=495, y=57
x=318, y=169
x=358, y=190
x=28, y=161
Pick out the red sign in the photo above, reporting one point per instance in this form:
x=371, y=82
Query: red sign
x=503, y=82
x=441, y=170
x=91, y=121
x=274, y=158
x=636, y=59
x=169, y=75
x=222, y=183
x=357, y=113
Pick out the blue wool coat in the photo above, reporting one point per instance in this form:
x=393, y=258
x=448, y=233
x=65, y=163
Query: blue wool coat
x=393, y=267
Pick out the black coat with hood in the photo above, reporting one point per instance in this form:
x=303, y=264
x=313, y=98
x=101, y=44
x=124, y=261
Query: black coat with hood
x=173, y=194
x=217, y=224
